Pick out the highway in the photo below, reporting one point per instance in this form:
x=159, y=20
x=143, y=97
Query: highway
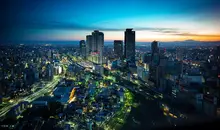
x=48, y=87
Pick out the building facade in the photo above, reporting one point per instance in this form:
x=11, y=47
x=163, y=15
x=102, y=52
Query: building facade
x=82, y=46
x=118, y=48
x=97, y=46
x=129, y=47
x=88, y=44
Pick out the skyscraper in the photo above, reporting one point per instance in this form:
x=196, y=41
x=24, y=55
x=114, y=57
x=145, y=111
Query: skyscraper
x=97, y=47
x=155, y=60
x=50, y=55
x=154, y=47
x=179, y=53
x=146, y=58
x=217, y=58
x=82, y=45
x=118, y=48
x=217, y=54
x=49, y=71
x=129, y=47
x=88, y=44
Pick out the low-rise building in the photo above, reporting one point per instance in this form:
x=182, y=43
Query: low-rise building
x=64, y=94
x=43, y=101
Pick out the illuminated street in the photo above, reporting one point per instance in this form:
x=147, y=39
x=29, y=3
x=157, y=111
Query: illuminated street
x=48, y=87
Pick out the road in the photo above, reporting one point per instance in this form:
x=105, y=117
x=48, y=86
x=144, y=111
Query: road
x=48, y=87
x=144, y=89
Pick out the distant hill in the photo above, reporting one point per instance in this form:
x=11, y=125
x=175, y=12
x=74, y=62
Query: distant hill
x=183, y=43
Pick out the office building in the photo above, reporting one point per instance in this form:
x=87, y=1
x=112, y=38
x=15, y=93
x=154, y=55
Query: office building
x=49, y=72
x=179, y=53
x=129, y=47
x=82, y=45
x=88, y=44
x=36, y=74
x=29, y=76
x=154, y=47
x=154, y=64
x=49, y=54
x=142, y=73
x=146, y=58
x=57, y=69
x=118, y=48
x=217, y=59
x=217, y=54
x=43, y=101
x=97, y=47
x=174, y=68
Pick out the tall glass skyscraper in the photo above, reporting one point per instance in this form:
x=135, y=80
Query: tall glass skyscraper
x=88, y=44
x=82, y=45
x=118, y=48
x=129, y=47
x=97, y=46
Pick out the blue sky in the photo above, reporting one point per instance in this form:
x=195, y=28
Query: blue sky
x=163, y=20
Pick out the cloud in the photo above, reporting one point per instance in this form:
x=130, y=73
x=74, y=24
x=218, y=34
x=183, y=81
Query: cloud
x=50, y=25
x=197, y=35
x=45, y=25
x=74, y=26
x=53, y=25
x=159, y=30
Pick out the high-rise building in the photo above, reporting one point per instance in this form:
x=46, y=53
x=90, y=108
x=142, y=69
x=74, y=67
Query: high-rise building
x=36, y=74
x=129, y=47
x=57, y=69
x=88, y=44
x=82, y=45
x=118, y=48
x=28, y=75
x=155, y=60
x=98, y=41
x=49, y=71
x=146, y=58
x=97, y=46
x=154, y=48
x=50, y=55
x=217, y=55
x=179, y=53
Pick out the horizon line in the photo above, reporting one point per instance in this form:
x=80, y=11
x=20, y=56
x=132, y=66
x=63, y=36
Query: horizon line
x=104, y=41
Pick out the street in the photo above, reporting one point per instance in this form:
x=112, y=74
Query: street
x=48, y=87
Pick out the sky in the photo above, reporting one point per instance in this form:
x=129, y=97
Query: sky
x=161, y=20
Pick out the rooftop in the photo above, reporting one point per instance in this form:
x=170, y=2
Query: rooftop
x=63, y=90
x=46, y=98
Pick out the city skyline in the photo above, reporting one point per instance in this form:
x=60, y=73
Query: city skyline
x=73, y=20
x=110, y=64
